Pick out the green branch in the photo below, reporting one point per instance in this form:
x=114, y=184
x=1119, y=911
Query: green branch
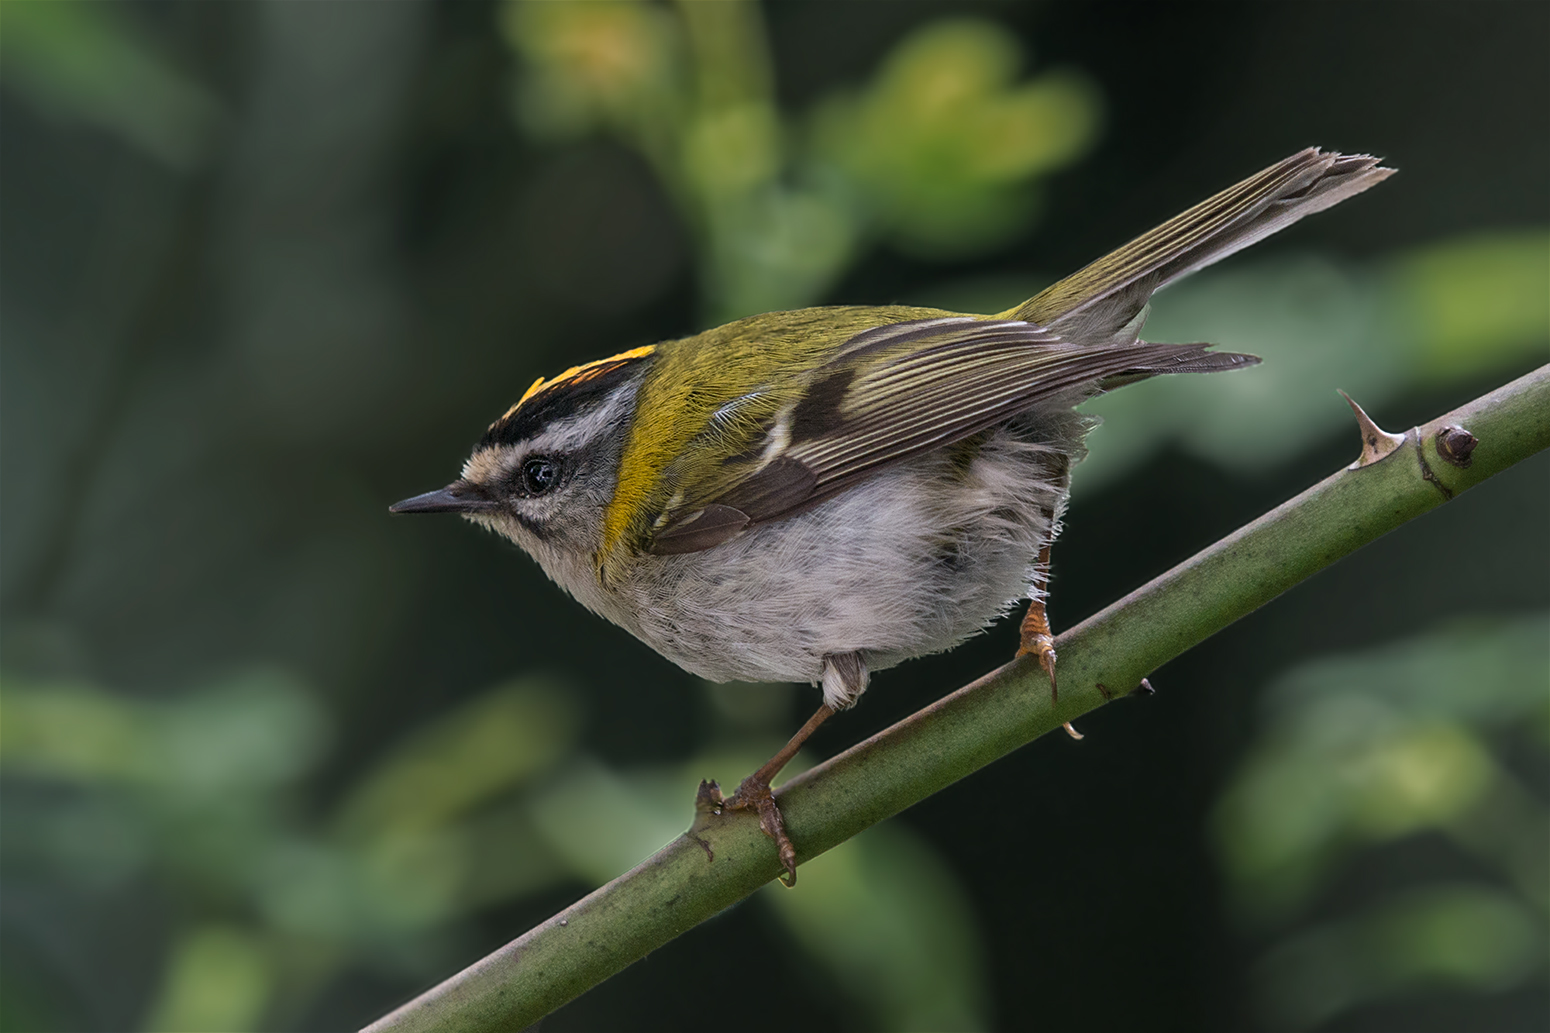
x=724, y=857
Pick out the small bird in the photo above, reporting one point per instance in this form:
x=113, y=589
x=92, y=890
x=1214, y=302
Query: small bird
x=818, y=494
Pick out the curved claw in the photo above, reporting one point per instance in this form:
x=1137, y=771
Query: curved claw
x=1043, y=646
x=756, y=795
x=1046, y=649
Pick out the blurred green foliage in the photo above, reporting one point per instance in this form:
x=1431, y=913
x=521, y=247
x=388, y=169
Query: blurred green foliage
x=1384, y=752
x=939, y=154
x=87, y=63
x=887, y=916
x=490, y=802
x=201, y=794
x=943, y=150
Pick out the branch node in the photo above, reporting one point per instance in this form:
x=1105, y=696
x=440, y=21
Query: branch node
x=1455, y=445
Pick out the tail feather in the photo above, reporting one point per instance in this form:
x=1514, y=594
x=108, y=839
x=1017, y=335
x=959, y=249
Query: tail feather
x=1100, y=302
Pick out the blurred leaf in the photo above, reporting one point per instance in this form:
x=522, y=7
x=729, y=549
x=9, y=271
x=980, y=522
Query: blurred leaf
x=1374, y=748
x=612, y=63
x=1473, y=304
x=73, y=732
x=767, y=242
x=372, y=898
x=1356, y=773
x=1441, y=937
x=1485, y=670
x=942, y=146
x=776, y=250
x=196, y=780
x=731, y=55
x=938, y=154
x=479, y=751
x=83, y=61
x=217, y=978
x=732, y=150
x=886, y=916
x=256, y=730
x=247, y=734
x=307, y=888
x=413, y=878
x=603, y=822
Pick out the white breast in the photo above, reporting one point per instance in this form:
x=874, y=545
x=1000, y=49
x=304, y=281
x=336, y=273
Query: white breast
x=911, y=562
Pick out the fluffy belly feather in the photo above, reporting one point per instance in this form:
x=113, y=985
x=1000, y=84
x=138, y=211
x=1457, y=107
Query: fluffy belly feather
x=911, y=562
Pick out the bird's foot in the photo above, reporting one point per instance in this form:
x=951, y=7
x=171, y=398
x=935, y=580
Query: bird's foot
x=754, y=794
x=1037, y=640
x=1041, y=645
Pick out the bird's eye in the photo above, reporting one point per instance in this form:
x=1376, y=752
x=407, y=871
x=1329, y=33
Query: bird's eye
x=539, y=475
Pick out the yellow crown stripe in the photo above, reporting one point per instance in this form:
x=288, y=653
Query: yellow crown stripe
x=529, y=393
x=581, y=374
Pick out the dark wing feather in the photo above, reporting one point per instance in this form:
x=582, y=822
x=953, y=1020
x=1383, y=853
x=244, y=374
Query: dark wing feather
x=897, y=392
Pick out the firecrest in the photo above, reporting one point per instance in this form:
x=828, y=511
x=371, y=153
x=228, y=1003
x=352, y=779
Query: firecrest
x=819, y=494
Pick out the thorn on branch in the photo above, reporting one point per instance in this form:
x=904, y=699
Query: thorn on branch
x=1376, y=442
x=708, y=803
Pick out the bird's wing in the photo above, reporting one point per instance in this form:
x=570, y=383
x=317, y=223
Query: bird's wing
x=886, y=395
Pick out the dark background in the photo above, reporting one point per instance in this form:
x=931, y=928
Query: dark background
x=218, y=368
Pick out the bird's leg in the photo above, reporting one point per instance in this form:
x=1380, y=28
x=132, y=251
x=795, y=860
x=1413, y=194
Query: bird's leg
x=754, y=793
x=1037, y=639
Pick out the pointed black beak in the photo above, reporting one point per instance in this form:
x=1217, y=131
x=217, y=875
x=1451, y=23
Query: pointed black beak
x=457, y=497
